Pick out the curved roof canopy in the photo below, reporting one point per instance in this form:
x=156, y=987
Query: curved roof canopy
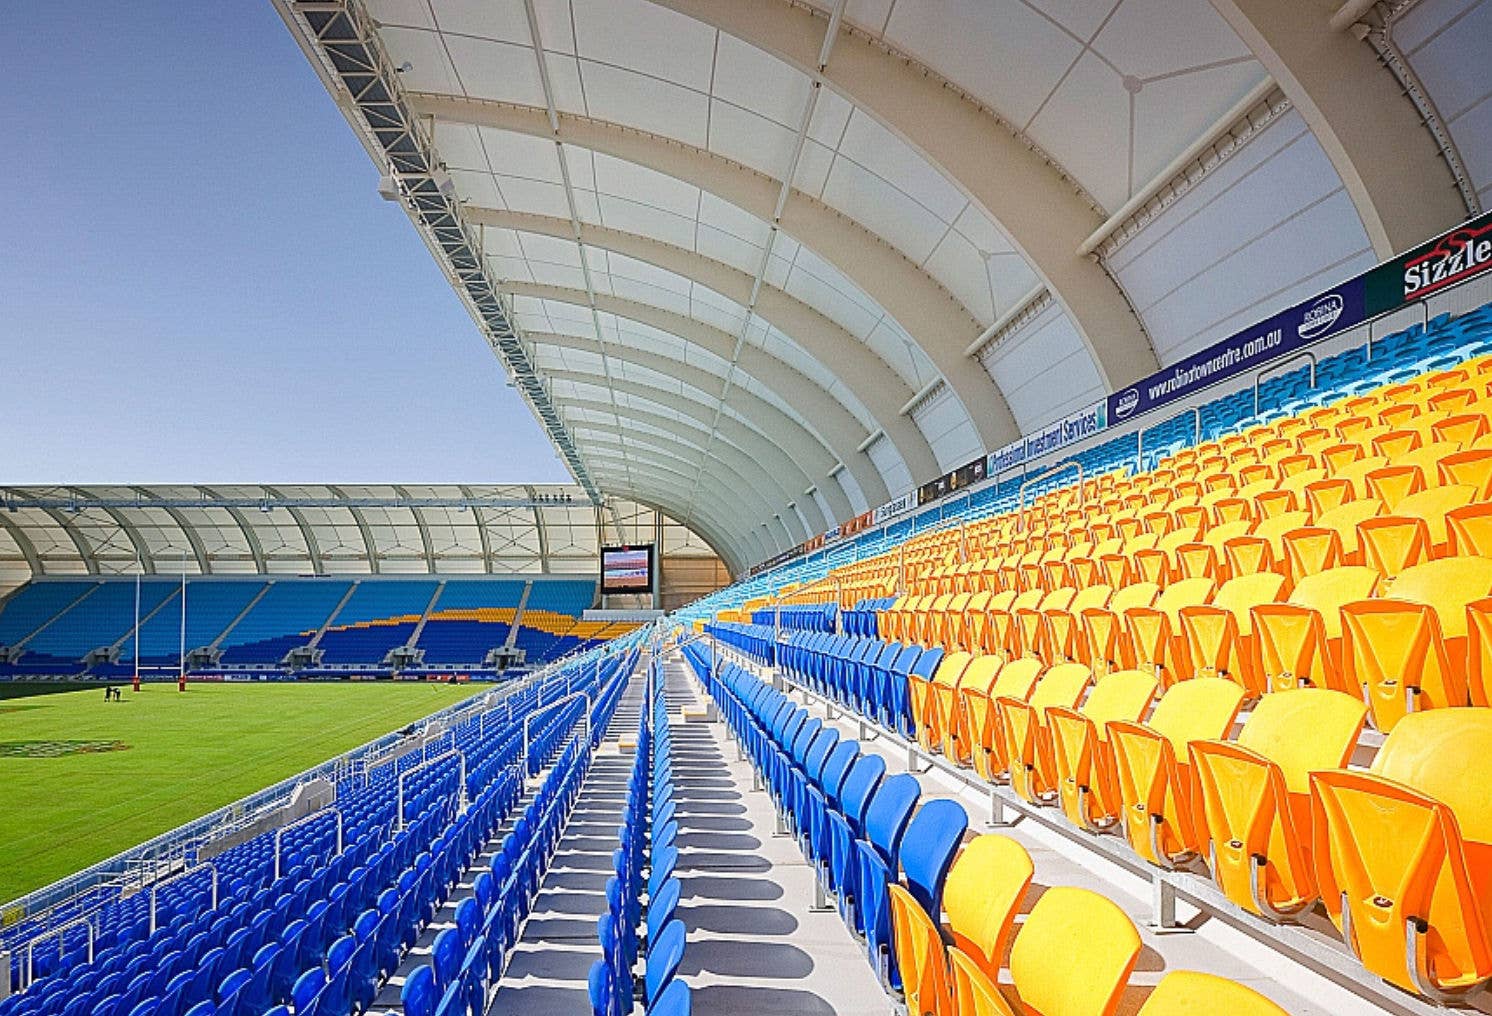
x=298, y=529
x=709, y=235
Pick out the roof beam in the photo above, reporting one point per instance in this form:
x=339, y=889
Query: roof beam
x=755, y=443
x=1044, y=215
x=869, y=378
x=187, y=530
x=476, y=516
x=419, y=521
x=764, y=415
x=749, y=504
x=362, y=527
x=662, y=482
x=840, y=430
x=343, y=44
x=28, y=549
x=742, y=467
x=927, y=311
x=256, y=549
x=726, y=516
x=641, y=444
x=1403, y=190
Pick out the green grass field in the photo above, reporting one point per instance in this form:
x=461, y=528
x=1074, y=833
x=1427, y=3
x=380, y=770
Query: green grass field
x=186, y=755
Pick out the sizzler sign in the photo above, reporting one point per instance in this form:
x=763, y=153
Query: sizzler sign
x=1462, y=254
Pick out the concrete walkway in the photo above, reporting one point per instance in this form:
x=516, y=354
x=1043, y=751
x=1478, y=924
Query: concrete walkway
x=547, y=970
x=753, y=946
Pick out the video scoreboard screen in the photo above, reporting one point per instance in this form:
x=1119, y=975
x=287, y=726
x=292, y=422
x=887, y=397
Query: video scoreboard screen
x=627, y=569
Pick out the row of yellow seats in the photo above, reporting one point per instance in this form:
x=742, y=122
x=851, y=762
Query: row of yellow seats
x=1400, y=856
x=950, y=963
x=1384, y=527
x=1427, y=646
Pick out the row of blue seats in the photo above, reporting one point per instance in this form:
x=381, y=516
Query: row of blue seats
x=798, y=616
x=864, y=618
x=135, y=969
x=859, y=828
x=648, y=841
x=866, y=673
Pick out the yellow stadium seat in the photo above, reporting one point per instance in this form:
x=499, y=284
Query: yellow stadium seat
x=1297, y=643
x=1344, y=519
x=1479, y=652
x=1153, y=767
x=921, y=957
x=982, y=895
x=924, y=701
x=1105, y=644
x=1063, y=629
x=1311, y=549
x=1324, y=495
x=1017, y=679
x=1217, y=638
x=1084, y=762
x=1404, y=854
x=1433, y=505
x=1189, y=993
x=1391, y=543
x=1473, y=467
x=1393, y=652
x=1155, y=631
x=1098, y=938
x=1254, y=795
x=948, y=700
x=1027, y=739
x=974, y=992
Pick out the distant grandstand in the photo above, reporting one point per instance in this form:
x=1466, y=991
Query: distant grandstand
x=294, y=627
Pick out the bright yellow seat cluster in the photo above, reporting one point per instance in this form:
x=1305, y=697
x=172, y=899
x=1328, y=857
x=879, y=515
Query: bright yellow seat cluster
x=951, y=963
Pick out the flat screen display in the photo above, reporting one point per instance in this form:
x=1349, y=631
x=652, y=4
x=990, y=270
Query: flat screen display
x=627, y=569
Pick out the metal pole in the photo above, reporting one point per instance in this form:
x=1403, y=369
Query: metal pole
x=181, y=658
x=138, y=569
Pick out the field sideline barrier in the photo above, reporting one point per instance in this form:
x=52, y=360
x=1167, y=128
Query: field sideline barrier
x=1302, y=945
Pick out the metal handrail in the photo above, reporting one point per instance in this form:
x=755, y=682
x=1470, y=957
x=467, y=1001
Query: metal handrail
x=280, y=832
x=1304, y=354
x=155, y=886
x=426, y=764
x=86, y=922
x=1052, y=470
x=585, y=718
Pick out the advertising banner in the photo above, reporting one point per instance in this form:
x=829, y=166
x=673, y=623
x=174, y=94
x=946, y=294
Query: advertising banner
x=1461, y=254
x=1291, y=329
x=892, y=508
x=1072, y=428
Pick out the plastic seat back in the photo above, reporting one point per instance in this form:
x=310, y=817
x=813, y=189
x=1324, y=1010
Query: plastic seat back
x=1089, y=929
x=982, y=895
x=1404, y=854
x=1152, y=766
x=1254, y=795
x=932, y=837
x=887, y=814
x=921, y=957
x=1086, y=790
x=1392, y=651
x=974, y=991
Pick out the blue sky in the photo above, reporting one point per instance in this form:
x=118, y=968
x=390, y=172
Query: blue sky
x=199, y=282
